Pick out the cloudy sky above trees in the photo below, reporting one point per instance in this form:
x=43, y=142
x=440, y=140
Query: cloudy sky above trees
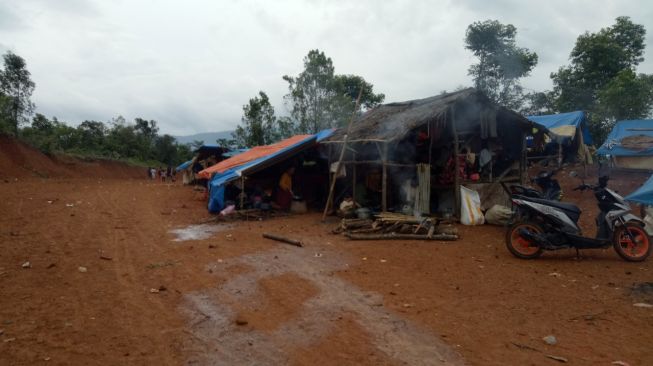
x=192, y=65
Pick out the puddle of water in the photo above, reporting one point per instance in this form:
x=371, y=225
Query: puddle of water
x=198, y=232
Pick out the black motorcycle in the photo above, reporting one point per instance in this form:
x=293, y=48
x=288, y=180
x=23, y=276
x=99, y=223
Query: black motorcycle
x=551, y=225
x=549, y=187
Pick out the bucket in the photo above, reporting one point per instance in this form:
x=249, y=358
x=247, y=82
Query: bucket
x=297, y=206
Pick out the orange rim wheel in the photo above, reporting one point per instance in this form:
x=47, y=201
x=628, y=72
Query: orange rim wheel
x=636, y=244
x=523, y=245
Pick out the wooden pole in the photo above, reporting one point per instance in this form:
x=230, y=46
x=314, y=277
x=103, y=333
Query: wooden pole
x=456, y=151
x=523, y=165
x=384, y=183
x=342, y=155
x=353, y=178
x=242, y=192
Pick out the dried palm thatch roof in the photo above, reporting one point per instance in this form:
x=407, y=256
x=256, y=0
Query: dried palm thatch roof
x=393, y=121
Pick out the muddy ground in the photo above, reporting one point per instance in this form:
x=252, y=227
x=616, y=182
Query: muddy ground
x=235, y=298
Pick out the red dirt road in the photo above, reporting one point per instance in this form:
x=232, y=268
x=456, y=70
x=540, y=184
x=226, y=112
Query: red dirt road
x=237, y=298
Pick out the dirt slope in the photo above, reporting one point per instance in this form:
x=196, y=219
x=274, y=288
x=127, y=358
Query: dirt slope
x=19, y=160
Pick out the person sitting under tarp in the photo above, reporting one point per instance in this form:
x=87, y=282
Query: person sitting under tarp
x=231, y=194
x=285, y=193
x=347, y=207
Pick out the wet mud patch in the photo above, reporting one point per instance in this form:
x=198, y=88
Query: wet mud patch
x=311, y=303
x=642, y=291
x=198, y=232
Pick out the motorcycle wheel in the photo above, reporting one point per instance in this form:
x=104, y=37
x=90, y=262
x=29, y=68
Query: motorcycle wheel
x=635, y=247
x=521, y=247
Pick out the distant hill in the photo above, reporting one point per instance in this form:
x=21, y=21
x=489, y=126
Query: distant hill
x=209, y=138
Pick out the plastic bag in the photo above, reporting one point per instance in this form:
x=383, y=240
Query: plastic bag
x=470, y=207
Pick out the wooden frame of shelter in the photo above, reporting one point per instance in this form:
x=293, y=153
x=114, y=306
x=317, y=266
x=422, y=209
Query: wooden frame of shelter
x=460, y=116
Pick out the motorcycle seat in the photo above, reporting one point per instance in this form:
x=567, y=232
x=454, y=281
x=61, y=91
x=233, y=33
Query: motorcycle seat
x=569, y=209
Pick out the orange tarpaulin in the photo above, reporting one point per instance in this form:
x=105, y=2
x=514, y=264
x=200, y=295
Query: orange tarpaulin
x=250, y=155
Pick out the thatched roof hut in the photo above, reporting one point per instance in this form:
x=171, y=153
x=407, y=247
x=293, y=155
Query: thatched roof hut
x=471, y=109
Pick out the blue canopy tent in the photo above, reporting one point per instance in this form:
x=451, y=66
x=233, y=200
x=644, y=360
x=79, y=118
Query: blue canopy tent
x=630, y=143
x=569, y=132
x=219, y=181
x=564, y=126
x=643, y=194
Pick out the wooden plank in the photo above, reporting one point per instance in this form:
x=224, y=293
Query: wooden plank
x=456, y=151
x=384, y=187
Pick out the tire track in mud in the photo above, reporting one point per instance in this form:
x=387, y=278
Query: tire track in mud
x=218, y=340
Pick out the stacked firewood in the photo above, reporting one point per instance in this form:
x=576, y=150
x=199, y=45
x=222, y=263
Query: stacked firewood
x=388, y=226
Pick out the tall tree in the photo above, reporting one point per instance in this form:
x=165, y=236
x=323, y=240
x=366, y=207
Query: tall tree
x=259, y=124
x=500, y=62
x=16, y=83
x=602, y=77
x=319, y=99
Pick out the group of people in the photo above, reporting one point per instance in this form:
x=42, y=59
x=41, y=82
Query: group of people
x=168, y=174
x=261, y=198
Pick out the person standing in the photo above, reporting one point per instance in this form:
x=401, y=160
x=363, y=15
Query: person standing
x=285, y=192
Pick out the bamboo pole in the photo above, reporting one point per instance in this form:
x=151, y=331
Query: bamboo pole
x=384, y=183
x=342, y=155
x=353, y=178
x=456, y=152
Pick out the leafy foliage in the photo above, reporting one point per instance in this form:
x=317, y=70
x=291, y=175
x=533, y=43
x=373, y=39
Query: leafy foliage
x=259, y=124
x=602, y=77
x=117, y=140
x=16, y=89
x=501, y=63
x=319, y=99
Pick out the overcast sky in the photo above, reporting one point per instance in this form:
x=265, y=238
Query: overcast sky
x=192, y=65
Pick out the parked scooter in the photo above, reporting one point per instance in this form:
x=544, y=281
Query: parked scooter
x=551, y=225
x=549, y=187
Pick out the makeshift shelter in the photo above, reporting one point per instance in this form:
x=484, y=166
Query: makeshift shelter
x=630, y=144
x=425, y=149
x=570, y=136
x=259, y=158
x=644, y=194
x=205, y=155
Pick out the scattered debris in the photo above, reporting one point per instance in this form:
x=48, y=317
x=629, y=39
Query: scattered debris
x=51, y=265
x=27, y=265
x=555, y=274
x=523, y=346
x=69, y=205
x=558, y=358
x=317, y=255
x=162, y=288
x=550, y=340
x=620, y=363
x=2, y=331
x=154, y=290
x=643, y=305
x=393, y=226
x=9, y=340
x=82, y=269
x=240, y=321
x=382, y=260
x=211, y=246
x=282, y=239
x=160, y=264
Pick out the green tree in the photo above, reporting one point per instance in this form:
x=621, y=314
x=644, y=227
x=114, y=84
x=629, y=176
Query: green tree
x=500, y=62
x=16, y=83
x=319, y=99
x=259, y=124
x=602, y=78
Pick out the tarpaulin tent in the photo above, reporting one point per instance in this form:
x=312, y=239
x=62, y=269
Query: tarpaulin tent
x=184, y=165
x=565, y=125
x=631, y=144
x=643, y=194
x=253, y=160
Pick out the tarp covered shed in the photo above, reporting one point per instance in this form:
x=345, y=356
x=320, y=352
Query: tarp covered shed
x=630, y=143
x=565, y=125
x=252, y=161
x=643, y=194
x=570, y=136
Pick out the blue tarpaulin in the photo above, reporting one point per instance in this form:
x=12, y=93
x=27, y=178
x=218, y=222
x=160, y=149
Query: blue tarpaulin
x=564, y=125
x=219, y=181
x=184, y=165
x=643, y=194
x=613, y=145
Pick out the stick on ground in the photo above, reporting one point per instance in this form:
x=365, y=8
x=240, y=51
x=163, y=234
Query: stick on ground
x=282, y=239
